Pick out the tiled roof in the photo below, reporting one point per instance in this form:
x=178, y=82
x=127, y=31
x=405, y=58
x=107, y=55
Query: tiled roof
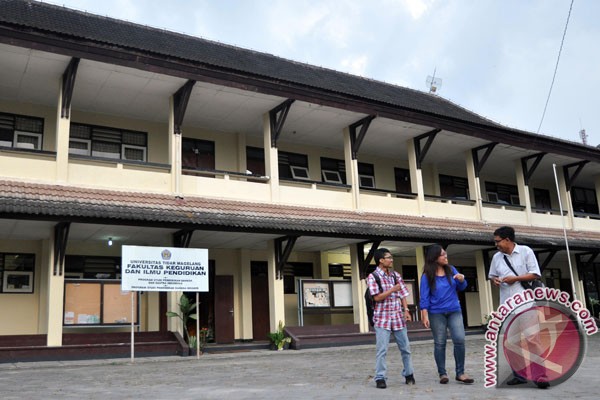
x=56, y=202
x=111, y=32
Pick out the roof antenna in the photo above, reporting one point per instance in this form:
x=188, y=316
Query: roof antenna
x=433, y=83
x=582, y=133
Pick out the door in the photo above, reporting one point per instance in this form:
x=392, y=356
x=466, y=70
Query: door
x=224, y=309
x=260, y=300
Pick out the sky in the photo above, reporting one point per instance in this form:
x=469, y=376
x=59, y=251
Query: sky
x=496, y=58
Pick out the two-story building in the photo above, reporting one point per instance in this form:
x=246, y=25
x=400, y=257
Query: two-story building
x=113, y=133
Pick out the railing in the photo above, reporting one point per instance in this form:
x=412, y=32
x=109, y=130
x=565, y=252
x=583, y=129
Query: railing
x=578, y=214
x=549, y=211
x=224, y=174
x=450, y=200
x=504, y=206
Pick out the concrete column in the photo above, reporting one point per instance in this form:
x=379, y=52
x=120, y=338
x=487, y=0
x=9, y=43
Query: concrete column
x=352, y=177
x=56, y=285
x=245, y=295
x=523, y=189
x=565, y=198
x=485, y=288
x=174, y=324
x=44, y=273
x=276, y=295
x=416, y=176
x=241, y=143
x=474, y=184
x=271, y=161
x=174, y=151
x=62, y=141
x=153, y=319
x=323, y=269
x=359, y=286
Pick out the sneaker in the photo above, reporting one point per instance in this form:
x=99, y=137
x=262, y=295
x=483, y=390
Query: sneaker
x=380, y=383
x=515, y=381
x=542, y=382
x=410, y=380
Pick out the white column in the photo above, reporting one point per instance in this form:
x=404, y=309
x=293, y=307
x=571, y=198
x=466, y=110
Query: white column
x=174, y=151
x=62, y=141
x=352, y=178
x=246, y=294
x=276, y=296
x=359, y=286
x=523, y=189
x=241, y=143
x=565, y=198
x=474, y=183
x=485, y=287
x=55, y=285
x=416, y=176
x=271, y=160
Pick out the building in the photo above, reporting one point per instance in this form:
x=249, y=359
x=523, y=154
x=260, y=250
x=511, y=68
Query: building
x=115, y=131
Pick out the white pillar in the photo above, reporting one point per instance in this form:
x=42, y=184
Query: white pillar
x=56, y=285
x=174, y=151
x=276, y=296
x=485, y=288
x=352, y=177
x=474, y=184
x=246, y=294
x=271, y=160
x=359, y=286
x=523, y=189
x=62, y=141
x=416, y=176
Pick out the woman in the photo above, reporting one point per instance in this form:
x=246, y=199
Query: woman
x=440, y=310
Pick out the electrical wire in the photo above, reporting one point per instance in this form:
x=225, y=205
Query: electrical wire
x=556, y=67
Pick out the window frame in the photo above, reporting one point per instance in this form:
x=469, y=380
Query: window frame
x=329, y=179
x=299, y=172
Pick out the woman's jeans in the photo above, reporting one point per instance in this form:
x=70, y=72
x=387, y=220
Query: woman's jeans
x=383, y=341
x=454, y=322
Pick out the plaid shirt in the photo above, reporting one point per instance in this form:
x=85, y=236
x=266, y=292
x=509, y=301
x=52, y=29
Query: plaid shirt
x=388, y=313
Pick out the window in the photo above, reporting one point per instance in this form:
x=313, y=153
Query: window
x=21, y=132
x=333, y=170
x=454, y=187
x=506, y=194
x=492, y=197
x=255, y=160
x=114, y=143
x=16, y=272
x=402, y=177
x=198, y=154
x=340, y=271
x=331, y=176
x=288, y=160
x=292, y=271
x=584, y=200
x=92, y=267
x=366, y=175
x=541, y=197
x=299, y=172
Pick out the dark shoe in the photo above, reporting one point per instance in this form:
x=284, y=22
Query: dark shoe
x=515, y=381
x=410, y=380
x=465, y=379
x=542, y=383
x=380, y=383
x=444, y=379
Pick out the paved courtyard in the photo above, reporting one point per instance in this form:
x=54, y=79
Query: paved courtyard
x=340, y=373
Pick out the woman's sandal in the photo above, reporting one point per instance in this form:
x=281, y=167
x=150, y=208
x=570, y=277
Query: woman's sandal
x=444, y=379
x=465, y=379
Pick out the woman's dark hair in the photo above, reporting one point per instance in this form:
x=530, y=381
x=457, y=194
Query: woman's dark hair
x=429, y=270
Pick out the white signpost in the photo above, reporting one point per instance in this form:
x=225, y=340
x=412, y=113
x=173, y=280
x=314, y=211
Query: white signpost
x=163, y=269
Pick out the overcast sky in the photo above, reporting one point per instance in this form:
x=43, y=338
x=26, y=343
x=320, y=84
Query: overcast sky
x=495, y=57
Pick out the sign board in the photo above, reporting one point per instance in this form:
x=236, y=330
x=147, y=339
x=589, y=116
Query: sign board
x=164, y=269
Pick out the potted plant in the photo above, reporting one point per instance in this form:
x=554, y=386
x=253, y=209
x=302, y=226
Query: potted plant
x=186, y=312
x=278, y=339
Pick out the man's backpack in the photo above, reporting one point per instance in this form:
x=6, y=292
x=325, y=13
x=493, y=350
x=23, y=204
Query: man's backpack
x=370, y=302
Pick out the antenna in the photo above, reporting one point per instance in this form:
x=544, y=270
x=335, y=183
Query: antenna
x=433, y=83
x=583, y=136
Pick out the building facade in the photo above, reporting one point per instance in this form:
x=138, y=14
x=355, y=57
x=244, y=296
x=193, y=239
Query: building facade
x=112, y=131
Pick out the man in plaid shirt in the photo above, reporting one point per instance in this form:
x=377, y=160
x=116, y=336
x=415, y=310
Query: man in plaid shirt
x=388, y=318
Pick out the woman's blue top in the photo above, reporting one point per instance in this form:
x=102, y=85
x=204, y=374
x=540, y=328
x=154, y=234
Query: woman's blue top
x=445, y=298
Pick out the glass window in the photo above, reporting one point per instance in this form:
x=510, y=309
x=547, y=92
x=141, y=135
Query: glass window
x=105, y=142
x=454, y=187
x=255, y=160
x=21, y=131
x=287, y=160
x=198, y=154
x=17, y=272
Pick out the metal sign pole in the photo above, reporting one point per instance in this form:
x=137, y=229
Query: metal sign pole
x=132, y=323
x=197, y=326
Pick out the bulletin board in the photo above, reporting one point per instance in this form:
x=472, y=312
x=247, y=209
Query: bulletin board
x=116, y=307
x=82, y=303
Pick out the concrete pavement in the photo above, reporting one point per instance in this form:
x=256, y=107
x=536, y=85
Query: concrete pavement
x=342, y=373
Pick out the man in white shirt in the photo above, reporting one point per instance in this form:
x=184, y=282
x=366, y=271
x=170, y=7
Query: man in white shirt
x=522, y=260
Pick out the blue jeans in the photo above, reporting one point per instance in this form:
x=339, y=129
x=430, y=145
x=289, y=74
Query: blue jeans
x=439, y=324
x=383, y=341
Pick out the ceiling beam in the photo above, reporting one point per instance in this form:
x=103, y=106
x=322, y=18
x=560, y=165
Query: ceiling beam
x=356, y=139
x=422, y=152
x=529, y=170
x=479, y=163
x=180, y=102
x=570, y=178
x=68, y=84
x=277, y=118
